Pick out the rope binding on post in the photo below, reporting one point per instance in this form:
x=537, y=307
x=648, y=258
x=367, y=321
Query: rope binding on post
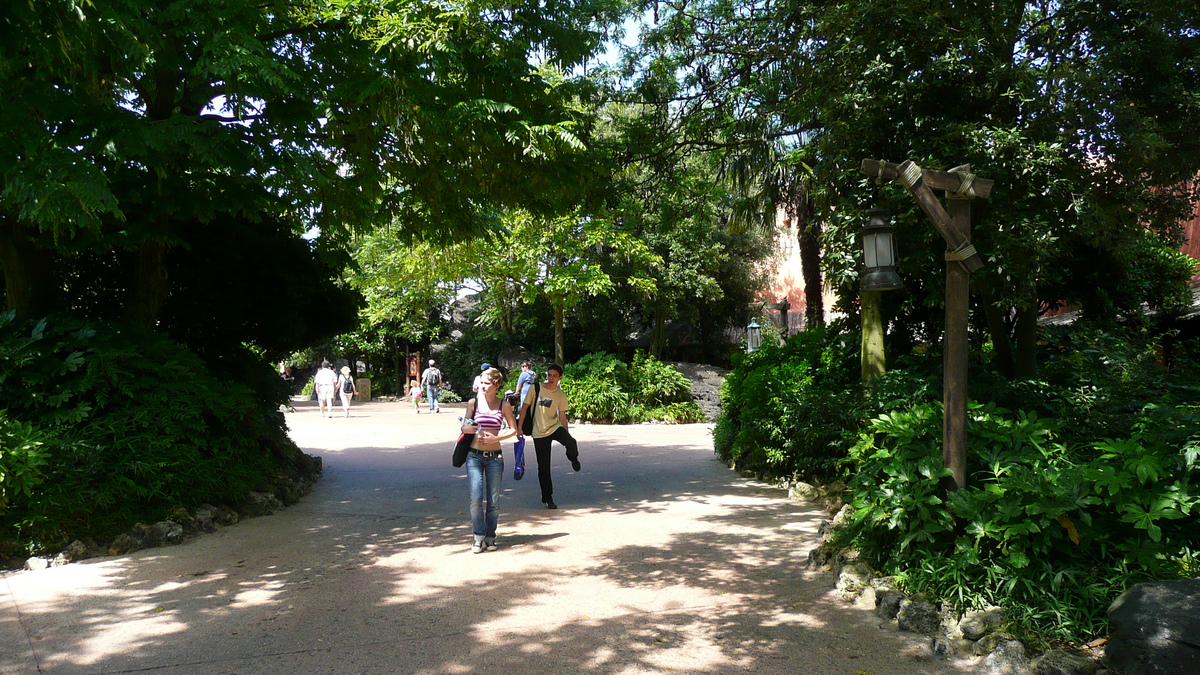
x=910, y=175
x=961, y=253
x=966, y=188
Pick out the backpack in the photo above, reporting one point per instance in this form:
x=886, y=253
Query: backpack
x=433, y=376
x=348, y=386
x=527, y=426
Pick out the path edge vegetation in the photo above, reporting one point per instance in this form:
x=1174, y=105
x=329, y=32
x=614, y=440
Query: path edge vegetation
x=1082, y=481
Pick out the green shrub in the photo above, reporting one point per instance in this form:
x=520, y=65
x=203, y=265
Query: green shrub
x=793, y=409
x=130, y=424
x=656, y=383
x=309, y=388
x=596, y=399
x=448, y=396
x=24, y=453
x=603, y=388
x=1052, y=531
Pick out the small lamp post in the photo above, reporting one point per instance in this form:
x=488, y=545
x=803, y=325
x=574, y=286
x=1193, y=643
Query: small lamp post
x=753, y=336
x=879, y=254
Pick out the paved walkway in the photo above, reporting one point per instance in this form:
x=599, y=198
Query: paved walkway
x=659, y=560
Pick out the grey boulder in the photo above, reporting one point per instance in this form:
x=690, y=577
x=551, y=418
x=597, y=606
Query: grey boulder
x=1156, y=629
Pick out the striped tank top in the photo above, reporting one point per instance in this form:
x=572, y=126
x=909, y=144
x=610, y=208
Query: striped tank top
x=488, y=420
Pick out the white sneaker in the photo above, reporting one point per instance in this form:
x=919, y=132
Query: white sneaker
x=477, y=547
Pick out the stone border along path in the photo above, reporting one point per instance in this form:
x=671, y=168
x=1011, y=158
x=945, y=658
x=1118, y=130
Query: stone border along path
x=659, y=560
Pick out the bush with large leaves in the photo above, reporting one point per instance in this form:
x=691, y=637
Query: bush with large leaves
x=786, y=408
x=105, y=425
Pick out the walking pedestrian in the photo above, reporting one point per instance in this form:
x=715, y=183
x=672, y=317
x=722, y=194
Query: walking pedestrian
x=548, y=406
x=525, y=380
x=485, y=459
x=482, y=369
x=414, y=391
x=325, y=382
x=345, y=388
x=432, y=379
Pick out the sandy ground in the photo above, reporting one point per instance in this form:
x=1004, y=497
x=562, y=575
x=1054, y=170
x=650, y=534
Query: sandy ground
x=659, y=560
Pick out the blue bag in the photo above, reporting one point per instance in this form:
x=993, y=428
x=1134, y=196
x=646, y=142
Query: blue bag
x=519, y=457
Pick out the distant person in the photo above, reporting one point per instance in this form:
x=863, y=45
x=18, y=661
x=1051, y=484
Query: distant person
x=325, y=383
x=432, y=379
x=287, y=375
x=548, y=406
x=485, y=460
x=525, y=380
x=414, y=391
x=482, y=369
x=345, y=388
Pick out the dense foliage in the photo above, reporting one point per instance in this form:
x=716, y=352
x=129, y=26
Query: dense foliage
x=787, y=407
x=1080, y=483
x=603, y=388
x=105, y=425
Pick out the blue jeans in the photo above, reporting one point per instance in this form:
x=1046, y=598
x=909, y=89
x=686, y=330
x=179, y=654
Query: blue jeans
x=483, y=481
x=431, y=392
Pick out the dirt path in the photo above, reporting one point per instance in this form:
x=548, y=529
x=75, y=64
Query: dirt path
x=659, y=560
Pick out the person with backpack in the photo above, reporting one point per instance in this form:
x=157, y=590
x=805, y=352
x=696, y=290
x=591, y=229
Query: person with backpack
x=345, y=387
x=432, y=379
x=325, y=383
x=544, y=415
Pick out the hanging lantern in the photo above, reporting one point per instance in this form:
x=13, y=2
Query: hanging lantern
x=753, y=336
x=879, y=254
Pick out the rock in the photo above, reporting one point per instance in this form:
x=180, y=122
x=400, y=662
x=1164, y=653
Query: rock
x=168, y=532
x=824, y=528
x=948, y=622
x=833, y=499
x=223, y=515
x=1058, y=662
x=259, y=504
x=124, y=543
x=76, y=550
x=805, y=492
x=159, y=534
x=944, y=647
x=884, y=583
x=1007, y=659
x=918, y=615
x=1156, y=629
x=988, y=643
x=186, y=520
x=706, y=386
x=979, y=622
x=36, y=563
x=203, y=520
x=867, y=599
x=852, y=580
x=843, y=517
x=887, y=603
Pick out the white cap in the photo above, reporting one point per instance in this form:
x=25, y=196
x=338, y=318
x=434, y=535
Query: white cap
x=431, y=362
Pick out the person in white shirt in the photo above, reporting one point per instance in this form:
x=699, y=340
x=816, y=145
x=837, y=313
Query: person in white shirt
x=326, y=383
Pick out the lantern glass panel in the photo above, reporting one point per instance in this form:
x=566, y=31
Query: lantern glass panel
x=883, y=249
x=869, y=254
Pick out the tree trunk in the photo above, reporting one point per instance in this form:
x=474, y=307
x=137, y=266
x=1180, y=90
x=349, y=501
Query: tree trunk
x=401, y=385
x=809, y=233
x=658, y=338
x=150, y=279
x=1026, y=361
x=874, y=364
x=1002, y=353
x=560, y=352
x=26, y=271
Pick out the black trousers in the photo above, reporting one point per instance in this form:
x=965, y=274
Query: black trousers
x=541, y=448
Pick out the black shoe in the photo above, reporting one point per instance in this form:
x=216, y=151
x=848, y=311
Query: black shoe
x=550, y=504
x=575, y=465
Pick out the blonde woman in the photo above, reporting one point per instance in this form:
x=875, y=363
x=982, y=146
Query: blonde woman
x=485, y=461
x=344, y=383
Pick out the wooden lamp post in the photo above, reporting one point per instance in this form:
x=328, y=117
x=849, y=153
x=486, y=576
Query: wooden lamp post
x=879, y=256
x=954, y=224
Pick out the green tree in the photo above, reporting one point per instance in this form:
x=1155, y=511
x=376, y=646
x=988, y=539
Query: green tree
x=1079, y=110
